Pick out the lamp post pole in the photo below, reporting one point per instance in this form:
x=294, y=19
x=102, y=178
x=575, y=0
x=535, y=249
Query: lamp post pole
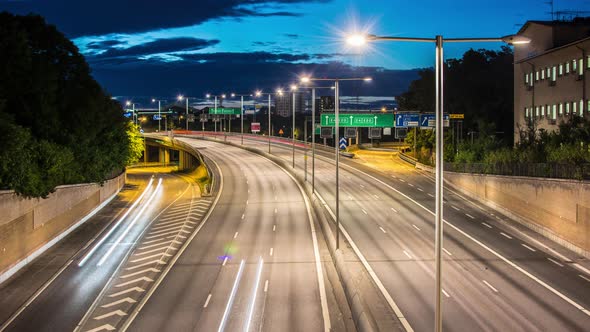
x=439, y=112
x=293, y=130
x=313, y=141
x=186, y=115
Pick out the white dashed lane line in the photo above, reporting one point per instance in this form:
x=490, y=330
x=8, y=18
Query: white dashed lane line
x=416, y=227
x=487, y=225
x=236, y=235
x=271, y=251
x=456, y=208
x=394, y=210
x=207, y=301
x=365, y=212
x=506, y=235
x=490, y=286
x=431, y=195
x=470, y=216
x=446, y=294
x=381, y=228
x=529, y=248
x=407, y=254
x=555, y=262
x=411, y=185
x=584, y=277
x=420, y=189
x=447, y=252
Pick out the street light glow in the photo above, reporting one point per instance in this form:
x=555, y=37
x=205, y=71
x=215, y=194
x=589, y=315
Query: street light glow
x=223, y=95
x=305, y=79
x=180, y=97
x=233, y=95
x=258, y=93
x=280, y=92
x=128, y=103
x=208, y=95
x=368, y=79
x=153, y=100
x=293, y=87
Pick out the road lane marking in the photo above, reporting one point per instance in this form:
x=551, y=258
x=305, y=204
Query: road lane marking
x=529, y=248
x=416, y=227
x=584, y=277
x=160, y=243
x=365, y=212
x=224, y=261
x=446, y=294
x=275, y=210
x=129, y=290
x=112, y=313
x=487, y=225
x=555, y=262
x=409, y=256
x=411, y=185
x=266, y=286
x=402, y=180
x=247, y=202
x=253, y=298
x=144, y=264
x=394, y=210
x=381, y=228
x=271, y=251
x=448, y=252
x=274, y=227
x=236, y=235
x=431, y=195
x=456, y=208
x=506, y=235
x=169, y=228
x=377, y=197
x=231, y=298
x=125, y=300
x=470, y=216
x=207, y=301
x=107, y=327
x=127, y=283
x=490, y=286
x=150, y=257
x=420, y=189
x=362, y=186
x=139, y=272
x=243, y=215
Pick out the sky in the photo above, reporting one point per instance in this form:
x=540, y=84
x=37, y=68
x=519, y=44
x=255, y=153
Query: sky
x=154, y=48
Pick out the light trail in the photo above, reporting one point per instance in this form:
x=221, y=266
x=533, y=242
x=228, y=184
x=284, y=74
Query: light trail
x=253, y=300
x=232, y=295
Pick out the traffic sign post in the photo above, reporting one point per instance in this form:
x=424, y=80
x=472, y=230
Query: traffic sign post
x=357, y=120
x=429, y=120
x=225, y=111
x=326, y=132
x=343, y=144
x=407, y=120
x=255, y=127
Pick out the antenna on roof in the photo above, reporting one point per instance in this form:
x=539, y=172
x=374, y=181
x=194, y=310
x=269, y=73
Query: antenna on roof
x=551, y=3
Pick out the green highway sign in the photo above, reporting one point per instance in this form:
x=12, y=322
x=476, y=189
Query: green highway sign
x=221, y=110
x=358, y=120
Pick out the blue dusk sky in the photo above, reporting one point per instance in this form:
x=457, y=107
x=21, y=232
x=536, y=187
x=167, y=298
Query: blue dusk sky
x=160, y=48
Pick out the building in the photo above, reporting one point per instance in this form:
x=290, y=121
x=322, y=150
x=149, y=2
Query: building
x=284, y=104
x=551, y=73
x=327, y=104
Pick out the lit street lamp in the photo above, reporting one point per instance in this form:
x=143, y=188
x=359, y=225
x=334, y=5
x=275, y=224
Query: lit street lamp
x=222, y=96
x=180, y=98
x=128, y=103
x=160, y=115
x=336, y=135
x=294, y=90
x=241, y=112
x=359, y=40
x=258, y=94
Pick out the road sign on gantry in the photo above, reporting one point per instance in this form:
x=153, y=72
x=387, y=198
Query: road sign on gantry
x=357, y=120
x=326, y=132
x=225, y=111
x=342, y=143
x=429, y=120
x=407, y=120
x=350, y=132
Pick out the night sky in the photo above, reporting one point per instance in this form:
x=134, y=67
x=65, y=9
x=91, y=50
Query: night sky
x=160, y=48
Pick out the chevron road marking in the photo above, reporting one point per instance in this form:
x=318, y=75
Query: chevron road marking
x=133, y=281
x=112, y=313
x=125, y=300
x=134, y=289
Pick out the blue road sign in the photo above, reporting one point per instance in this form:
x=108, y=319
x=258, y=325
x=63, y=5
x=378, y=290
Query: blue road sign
x=127, y=114
x=141, y=131
x=343, y=143
x=429, y=120
x=157, y=117
x=407, y=120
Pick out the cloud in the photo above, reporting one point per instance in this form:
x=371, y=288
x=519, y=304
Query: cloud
x=157, y=46
x=82, y=18
x=292, y=35
x=252, y=57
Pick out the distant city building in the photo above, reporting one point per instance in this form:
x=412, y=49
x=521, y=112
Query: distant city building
x=551, y=73
x=285, y=104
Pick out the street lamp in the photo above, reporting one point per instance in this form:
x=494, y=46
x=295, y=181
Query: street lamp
x=160, y=115
x=336, y=135
x=294, y=90
x=180, y=98
x=241, y=112
x=260, y=93
x=221, y=97
x=128, y=103
x=359, y=40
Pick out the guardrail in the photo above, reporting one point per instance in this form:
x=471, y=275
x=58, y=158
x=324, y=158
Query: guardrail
x=540, y=170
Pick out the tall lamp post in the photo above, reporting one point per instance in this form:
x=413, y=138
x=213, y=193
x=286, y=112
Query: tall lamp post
x=359, y=40
x=128, y=103
x=221, y=97
x=241, y=112
x=160, y=115
x=294, y=90
x=180, y=98
x=258, y=94
x=336, y=135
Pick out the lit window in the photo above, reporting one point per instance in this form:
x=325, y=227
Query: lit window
x=560, y=108
x=526, y=112
x=574, y=62
x=537, y=75
x=554, y=76
x=567, y=67
x=567, y=108
x=548, y=72
x=537, y=111
x=580, y=67
x=543, y=74
x=526, y=79
x=581, y=107
x=560, y=69
x=574, y=106
x=554, y=111
x=531, y=80
x=588, y=62
x=543, y=111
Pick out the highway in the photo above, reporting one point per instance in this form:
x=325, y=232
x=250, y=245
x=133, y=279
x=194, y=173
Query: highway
x=495, y=277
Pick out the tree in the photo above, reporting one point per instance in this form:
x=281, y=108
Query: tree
x=57, y=123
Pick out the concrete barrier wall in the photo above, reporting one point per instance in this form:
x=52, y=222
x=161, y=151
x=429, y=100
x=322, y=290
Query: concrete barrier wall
x=29, y=224
x=556, y=208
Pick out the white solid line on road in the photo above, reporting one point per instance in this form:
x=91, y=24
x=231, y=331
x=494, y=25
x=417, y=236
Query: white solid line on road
x=555, y=262
x=448, y=252
x=431, y=195
x=236, y=235
x=506, y=235
x=470, y=216
x=365, y=212
x=224, y=261
x=139, y=272
x=274, y=228
x=584, y=277
x=266, y=286
x=232, y=295
x=446, y=294
x=394, y=210
x=112, y=313
x=362, y=186
x=134, y=289
x=420, y=189
x=456, y=208
x=125, y=300
x=127, y=283
x=416, y=227
x=207, y=301
x=381, y=228
x=271, y=251
x=529, y=248
x=490, y=286
x=405, y=252
x=488, y=226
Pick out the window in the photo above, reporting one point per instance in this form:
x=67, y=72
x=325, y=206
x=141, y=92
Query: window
x=567, y=68
x=536, y=111
x=554, y=74
x=548, y=72
x=542, y=110
x=580, y=67
x=560, y=109
x=537, y=75
x=543, y=74
x=554, y=116
x=574, y=106
x=581, y=107
x=526, y=112
x=588, y=62
x=567, y=108
x=526, y=79
x=560, y=69
x=531, y=79
x=574, y=62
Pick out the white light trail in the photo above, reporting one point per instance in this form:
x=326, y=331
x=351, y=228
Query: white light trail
x=231, y=297
x=253, y=300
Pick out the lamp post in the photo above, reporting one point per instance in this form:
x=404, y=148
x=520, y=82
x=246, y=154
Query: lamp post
x=359, y=40
x=336, y=135
x=160, y=115
x=258, y=94
x=128, y=103
x=294, y=90
x=221, y=97
x=241, y=112
x=180, y=98
x=313, y=88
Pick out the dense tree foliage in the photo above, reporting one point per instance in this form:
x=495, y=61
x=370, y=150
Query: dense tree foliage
x=57, y=125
